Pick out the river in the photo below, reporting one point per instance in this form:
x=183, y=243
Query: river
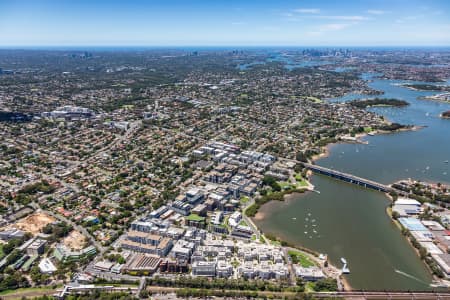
x=348, y=221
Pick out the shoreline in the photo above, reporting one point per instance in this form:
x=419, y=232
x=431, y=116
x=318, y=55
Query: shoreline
x=325, y=152
x=260, y=215
x=435, y=98
x=397, y=224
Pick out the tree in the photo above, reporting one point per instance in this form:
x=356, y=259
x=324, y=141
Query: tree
x=395, y=215
x=422, y=252
x=326, y=284
x=301, y=156
x=271, y=181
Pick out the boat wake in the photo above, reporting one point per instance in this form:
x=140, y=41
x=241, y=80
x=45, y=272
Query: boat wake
x=410, y=276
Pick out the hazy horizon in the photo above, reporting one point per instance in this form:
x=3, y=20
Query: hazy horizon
x=197, y=23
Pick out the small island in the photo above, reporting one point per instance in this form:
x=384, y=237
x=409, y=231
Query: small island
x=378, y=102
x=426, y=87
x=446, y=114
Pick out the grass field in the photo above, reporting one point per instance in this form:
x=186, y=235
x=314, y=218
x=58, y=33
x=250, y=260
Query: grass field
x=301, y=258
x=288, y=185
x=301, y=180
x=309, y=287
x=26, y=292
x=195, y=217
x=243, y=223
x=314, y=99
x=244, y=199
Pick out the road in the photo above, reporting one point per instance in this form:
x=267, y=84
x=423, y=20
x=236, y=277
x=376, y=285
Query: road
x=249, y=221
x=292, y=275
x=81, y=229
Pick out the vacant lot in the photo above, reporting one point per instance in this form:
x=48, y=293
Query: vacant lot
x=75, y=240
x=34, y=223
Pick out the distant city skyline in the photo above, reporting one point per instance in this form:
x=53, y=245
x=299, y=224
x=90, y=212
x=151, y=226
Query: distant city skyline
x=220, y=23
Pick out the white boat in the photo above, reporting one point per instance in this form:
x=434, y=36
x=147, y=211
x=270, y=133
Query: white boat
x=345, y=270
x=343, y=260
x=440, y=284
x=446, y=161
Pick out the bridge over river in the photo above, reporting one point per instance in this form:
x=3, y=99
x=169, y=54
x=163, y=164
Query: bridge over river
x=367, y=183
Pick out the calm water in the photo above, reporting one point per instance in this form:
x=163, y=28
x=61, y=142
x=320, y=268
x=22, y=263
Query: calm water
x=347, y=221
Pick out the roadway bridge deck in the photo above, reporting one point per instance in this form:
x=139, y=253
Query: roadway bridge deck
x=350, y=178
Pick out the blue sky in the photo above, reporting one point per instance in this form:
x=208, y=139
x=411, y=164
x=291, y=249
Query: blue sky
x=225, y=23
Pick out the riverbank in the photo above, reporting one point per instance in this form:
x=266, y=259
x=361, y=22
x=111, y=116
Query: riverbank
x=443, y=98
x=416, y=188
x=325, y=151
x=262, y=213
x=266, y=210
x=254, y=210
x=408, y=237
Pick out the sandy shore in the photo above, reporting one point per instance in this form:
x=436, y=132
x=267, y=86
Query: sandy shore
x=259, y=215
x=325, y=153
x=346, y=285
x=264, y=209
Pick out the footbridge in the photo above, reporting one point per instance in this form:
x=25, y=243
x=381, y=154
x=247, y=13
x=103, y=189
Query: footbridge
x=370, y=184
